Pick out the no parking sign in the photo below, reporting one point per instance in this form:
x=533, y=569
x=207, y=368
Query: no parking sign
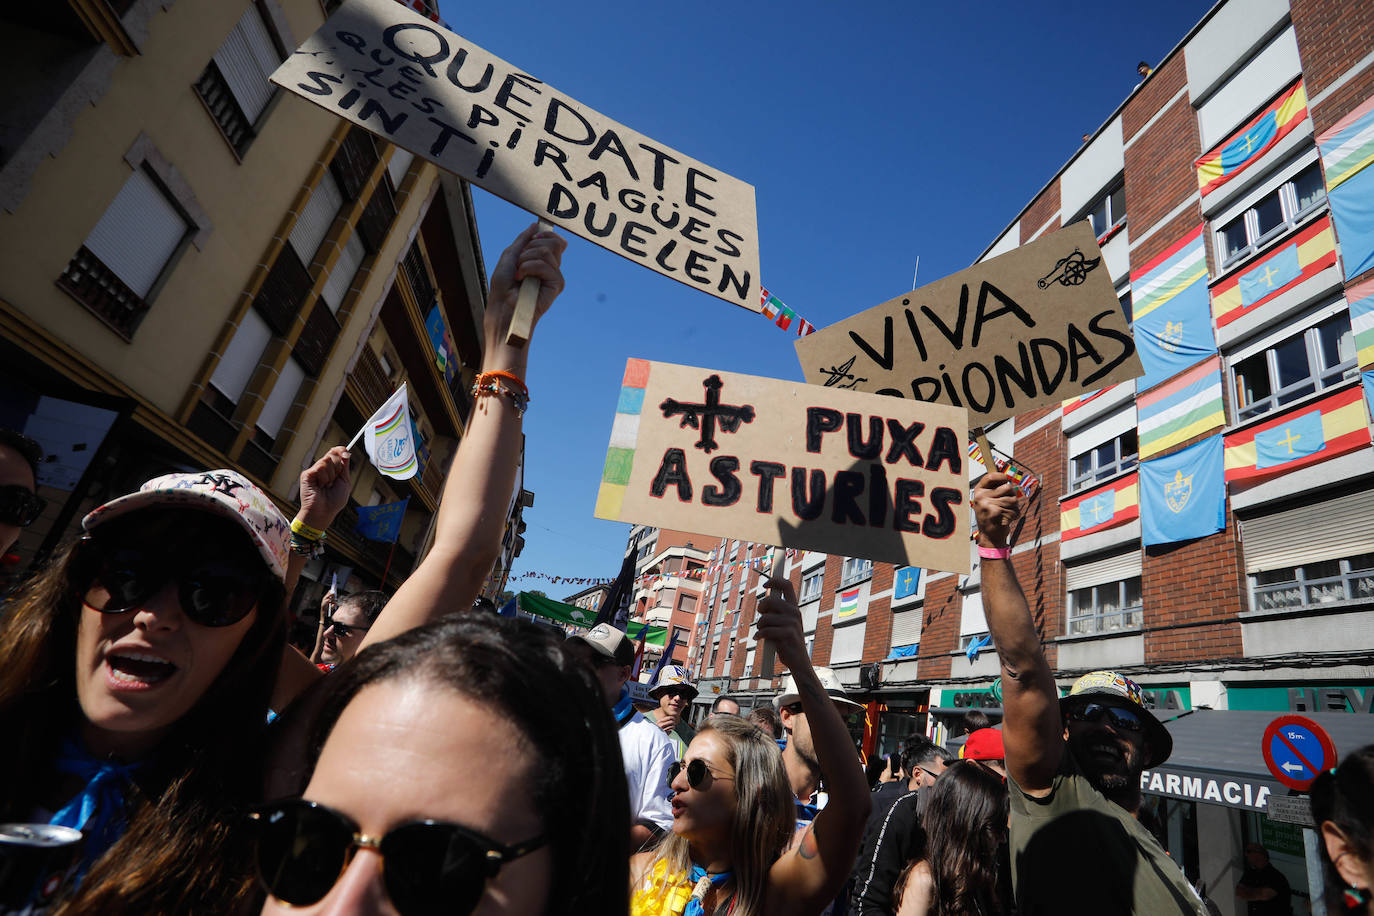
x=1297, y=750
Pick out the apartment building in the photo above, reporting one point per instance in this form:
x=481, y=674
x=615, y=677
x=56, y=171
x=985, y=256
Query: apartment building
x=202, y=270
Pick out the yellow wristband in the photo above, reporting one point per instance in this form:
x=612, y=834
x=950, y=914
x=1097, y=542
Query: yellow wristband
x=299, y=527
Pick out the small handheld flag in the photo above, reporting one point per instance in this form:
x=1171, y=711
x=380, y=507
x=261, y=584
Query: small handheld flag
x=389, y=439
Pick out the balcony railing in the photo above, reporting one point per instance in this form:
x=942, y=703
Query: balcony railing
x=317, y=338
x=224, y=108
x=418, y=274
x=354, y=161
x=371, y=381
x=286, y=286
x=95, y=286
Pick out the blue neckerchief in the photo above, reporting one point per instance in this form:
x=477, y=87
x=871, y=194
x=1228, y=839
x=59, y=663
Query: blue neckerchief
x=806, y=812
x=98, y=810
x=694, y=905
x=624, y=708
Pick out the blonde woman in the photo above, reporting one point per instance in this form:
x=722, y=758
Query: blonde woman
x=732, y=848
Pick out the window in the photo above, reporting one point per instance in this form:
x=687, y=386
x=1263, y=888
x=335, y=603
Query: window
x=855, y=569
x=968, y=639
x=384, y=361
x=311, y=227
x=1106, y=460
x=1307, y=362
x=398, y=165
x=811, y=586
x=1124, y=297
x=1109, y=211
x=1272, y=215
x=1346, y=579
x=687, y=603
x=234, y=86
x=1106, y=607
x=279, y=401
x=681, y=635
x=340, y=278
x=715, y=650
x=130, y=248
x=848, y=645
x=907, y=582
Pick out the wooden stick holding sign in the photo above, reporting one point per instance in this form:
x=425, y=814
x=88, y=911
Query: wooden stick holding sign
x=522, y=322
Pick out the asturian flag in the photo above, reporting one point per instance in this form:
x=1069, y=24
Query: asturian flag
x=1183, y=495
x=389, y=439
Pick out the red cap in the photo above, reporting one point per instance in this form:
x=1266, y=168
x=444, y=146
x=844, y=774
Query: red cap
x=984, y=744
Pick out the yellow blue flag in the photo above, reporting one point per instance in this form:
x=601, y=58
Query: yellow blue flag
x=1297, y=437
x=1183, y=495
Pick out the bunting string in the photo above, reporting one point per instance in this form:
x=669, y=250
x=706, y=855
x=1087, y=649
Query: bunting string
x=783, y=315
x=761, y=564
x=1025, y=481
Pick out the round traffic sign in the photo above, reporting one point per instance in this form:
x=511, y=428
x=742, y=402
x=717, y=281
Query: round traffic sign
x=1296, y=750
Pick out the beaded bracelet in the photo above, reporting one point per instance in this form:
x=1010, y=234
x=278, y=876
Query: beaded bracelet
x=308, y=547
x=500, y=383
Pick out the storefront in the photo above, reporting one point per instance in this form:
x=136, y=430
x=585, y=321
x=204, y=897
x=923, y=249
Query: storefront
x=1211, y=797
x=949, y=705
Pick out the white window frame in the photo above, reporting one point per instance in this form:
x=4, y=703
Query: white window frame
x=1107, y=204
x=855, y=569
x=1320, y=377
x=1246, y=212
x=1124, y=459
x=811, y=585
x=242, y=357
x=1091, y=620
x=1302, y=589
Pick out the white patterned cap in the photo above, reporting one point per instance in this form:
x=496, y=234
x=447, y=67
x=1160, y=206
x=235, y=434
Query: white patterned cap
x=222, y=492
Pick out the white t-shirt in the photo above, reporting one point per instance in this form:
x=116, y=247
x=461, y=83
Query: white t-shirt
x=648, y=753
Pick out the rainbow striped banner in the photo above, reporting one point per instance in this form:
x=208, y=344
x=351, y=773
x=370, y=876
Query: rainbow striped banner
x=1310, y=251
x=1312, y=432
x=1361, y=299
x=847, y=603
x=1245, y=147
x=620, y=455
x=1098, y=509
x=1180, y=409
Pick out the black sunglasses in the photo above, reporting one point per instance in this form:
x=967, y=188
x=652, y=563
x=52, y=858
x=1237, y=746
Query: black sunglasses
x=429, y=866
x=1117, y=715
x=344, y=630
x=20, y=506
x=212, y=592
x=696, y=772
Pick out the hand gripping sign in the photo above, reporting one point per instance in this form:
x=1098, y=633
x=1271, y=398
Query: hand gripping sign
x=788, y=464
x=422, y=87
x=1026, y=329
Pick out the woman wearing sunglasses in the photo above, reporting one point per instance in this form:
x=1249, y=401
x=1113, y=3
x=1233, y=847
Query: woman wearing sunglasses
x=467, y=766
x=732, y=848
x=136, y=670
x=20, y=504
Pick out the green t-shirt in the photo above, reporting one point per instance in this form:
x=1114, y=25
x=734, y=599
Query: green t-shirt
x=1074, y=851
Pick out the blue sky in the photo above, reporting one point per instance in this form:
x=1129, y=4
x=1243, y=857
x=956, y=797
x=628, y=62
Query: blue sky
x=873, y=132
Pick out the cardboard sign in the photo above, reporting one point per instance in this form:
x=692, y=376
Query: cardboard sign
x=422, y=87
x=1032, y=327
x=788, y=464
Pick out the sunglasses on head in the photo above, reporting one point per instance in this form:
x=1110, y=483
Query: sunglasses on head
x=19, y=506
x=1119, y=716
x=213, y=592
x=696, y=773
x=430, y=867
x=344, y=630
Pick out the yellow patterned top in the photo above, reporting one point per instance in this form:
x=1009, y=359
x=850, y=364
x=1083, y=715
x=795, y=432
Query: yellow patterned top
x=649, y=899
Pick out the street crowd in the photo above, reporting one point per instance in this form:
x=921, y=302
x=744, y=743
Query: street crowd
x=428, y=757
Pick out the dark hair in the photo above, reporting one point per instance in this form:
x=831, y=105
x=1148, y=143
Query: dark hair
x=1345, y=797
x=873, y=769
x=965, y=821
x=528, y=675
x=919, y=750
x=27, y=448
x=975, y=719
x=765, y=718
x=715, y=707
x=183, y=846
x=1143, y=63
x=369, y=602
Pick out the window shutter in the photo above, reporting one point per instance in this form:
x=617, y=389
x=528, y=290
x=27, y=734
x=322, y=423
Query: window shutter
x=282, y=397
x=341, y=277
x=315, y=219
x=1106, y=429
x=245, y=60
x=138, y=233
x=906, y=627
x=849, y=643
x=398, y=165
x=1325, y=530
x=972, y=619
x=242, y=356
x=1112, y=568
